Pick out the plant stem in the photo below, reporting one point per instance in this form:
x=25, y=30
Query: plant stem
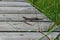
x=53, y=26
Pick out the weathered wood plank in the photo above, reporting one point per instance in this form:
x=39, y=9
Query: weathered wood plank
x=16, y=26
x=13, y=10
x=14, y=4
x=21, y=26
x=25, y=36
x=19, y=17
x=5, y=27
x=15, y=0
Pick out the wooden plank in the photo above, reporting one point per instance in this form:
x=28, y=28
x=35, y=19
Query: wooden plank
x=5, y=27
x=18, y=10
x=16, y=26
x=14, y=4
x=14, y=0
x=25, y=36
x=21, y=26
x=18, y=17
